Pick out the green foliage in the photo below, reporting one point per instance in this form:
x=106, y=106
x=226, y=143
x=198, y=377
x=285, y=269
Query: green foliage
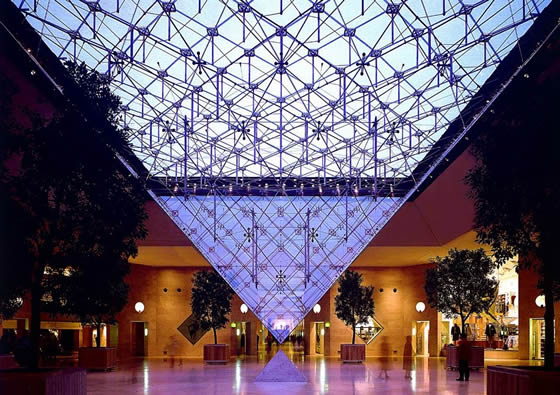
x=211, y=300
x=460, y=284
x=354, y=302
x=515, y=184
x=82, y=210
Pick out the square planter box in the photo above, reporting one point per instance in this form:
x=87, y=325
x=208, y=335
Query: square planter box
x=502, y=380
x=352, y=353
x=103, y=358
x=7, y=361
x=476, y=361
x=71, y=381
x=216, y=353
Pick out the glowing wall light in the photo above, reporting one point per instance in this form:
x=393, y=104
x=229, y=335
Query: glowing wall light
x=539, y=301
x=244, y=309
x=317, y=308
x=139, y=307
x=420, y=307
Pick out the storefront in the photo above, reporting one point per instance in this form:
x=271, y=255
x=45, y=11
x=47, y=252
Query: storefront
x=498, y=329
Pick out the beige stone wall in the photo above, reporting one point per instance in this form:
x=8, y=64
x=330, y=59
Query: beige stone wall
x=396, y=311
x=164, y=311
x=528, y=309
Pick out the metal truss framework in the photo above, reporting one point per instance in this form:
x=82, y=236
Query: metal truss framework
x=282, y=135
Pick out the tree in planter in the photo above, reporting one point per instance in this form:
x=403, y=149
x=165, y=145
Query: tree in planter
x=515, y=184
x=79, y=203
x=460, y=284
x=354, y=302
x=211, y=300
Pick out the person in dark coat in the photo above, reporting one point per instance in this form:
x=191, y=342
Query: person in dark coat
x=490, y=333
x=464, y=352
x=455, y=333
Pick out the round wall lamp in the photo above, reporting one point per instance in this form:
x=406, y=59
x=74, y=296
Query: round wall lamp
x=539, y=301
x=317, y=308
x=244, y=309
x=327, y=324
x=420, y=307
x=139, y=307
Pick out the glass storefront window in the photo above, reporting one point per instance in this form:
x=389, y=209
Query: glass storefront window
x=498, y=329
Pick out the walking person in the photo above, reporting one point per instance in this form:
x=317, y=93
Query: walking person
x=407, y=358
x=465, y=352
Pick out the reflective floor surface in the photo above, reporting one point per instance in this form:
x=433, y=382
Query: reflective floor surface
x=325, y=375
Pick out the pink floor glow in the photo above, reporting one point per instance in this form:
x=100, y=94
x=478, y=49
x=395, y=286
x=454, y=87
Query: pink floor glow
x=325, y=375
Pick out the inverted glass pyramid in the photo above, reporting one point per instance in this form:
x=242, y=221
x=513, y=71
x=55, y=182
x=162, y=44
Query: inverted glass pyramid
x=281, y=136
x=281, y=253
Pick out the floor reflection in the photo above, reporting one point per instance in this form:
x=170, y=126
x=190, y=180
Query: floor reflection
x=385, y=375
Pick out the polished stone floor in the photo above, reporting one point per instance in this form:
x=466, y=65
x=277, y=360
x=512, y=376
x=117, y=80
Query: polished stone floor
x=325, y=375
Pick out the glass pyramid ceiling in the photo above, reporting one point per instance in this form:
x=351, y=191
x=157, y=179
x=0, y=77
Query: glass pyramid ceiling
x=281, y=136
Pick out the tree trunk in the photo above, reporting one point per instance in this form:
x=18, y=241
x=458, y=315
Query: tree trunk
x=548, y=288
x=98, y=337
x=215, y=336
x=463, y=325
x=353, y=333
x=36, y=295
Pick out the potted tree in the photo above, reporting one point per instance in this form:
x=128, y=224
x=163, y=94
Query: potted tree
x=461, y=285
x=211, y=304
x=516, y=196
x=75, y=200
x=353, y=305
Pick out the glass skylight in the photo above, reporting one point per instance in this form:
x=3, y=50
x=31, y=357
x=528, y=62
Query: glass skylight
x=281, y=136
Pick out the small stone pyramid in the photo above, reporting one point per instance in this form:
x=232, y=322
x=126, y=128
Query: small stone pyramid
x=280, y=370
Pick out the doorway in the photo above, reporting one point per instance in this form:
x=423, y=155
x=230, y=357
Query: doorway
x=420, y=337
x=319, y=338
x=241, y=338
x=536, y=330
x=139, y=344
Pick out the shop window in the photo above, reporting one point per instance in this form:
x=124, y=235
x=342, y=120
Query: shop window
x=499, y=328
